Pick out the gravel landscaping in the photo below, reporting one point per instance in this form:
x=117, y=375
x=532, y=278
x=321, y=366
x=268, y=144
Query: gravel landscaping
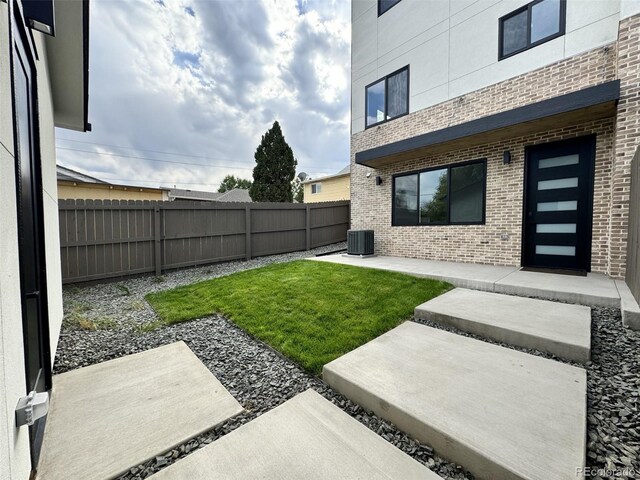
x=257, y=376
x=112, y=320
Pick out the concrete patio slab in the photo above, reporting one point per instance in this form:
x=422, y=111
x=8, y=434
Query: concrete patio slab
x=306, y=437
x=109, y=417
x=594, y=289
x=500, y=413
x=629, y=306
x=557, y=328
x=465, y=275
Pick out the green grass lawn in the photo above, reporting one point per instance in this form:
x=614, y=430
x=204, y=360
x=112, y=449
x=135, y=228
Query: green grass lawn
x=312, y=312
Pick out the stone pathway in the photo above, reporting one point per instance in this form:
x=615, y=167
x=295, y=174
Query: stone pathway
x=561, y=329
x=107, y=417
x=498, y=412
x=307, y=437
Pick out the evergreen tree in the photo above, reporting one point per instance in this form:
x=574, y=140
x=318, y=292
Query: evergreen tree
x=274, y=170
x=230, y=182
x=298, y=190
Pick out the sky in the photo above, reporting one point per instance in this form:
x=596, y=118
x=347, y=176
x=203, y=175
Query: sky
x=181, y=92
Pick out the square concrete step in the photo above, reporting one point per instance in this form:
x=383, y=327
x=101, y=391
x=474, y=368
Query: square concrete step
x=500, y=413
x=110, y=417
x=557, y=328
x=306, y=437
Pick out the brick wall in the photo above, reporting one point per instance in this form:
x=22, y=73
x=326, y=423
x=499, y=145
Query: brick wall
x=371, y=204
x=627, y=139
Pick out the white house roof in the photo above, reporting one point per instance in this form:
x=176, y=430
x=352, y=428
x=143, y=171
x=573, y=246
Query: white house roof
x=69, y=175
x=233, y=195
x=342, y=173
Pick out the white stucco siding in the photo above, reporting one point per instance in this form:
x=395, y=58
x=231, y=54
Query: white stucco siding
x=14, y=443
x=451, y=46
x=15, y=461
x=49, y=198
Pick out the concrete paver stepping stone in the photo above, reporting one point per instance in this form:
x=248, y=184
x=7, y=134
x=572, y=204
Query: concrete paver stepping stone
x=107, y=418
x=307, y=437
x=558, y=328
x=500, y=413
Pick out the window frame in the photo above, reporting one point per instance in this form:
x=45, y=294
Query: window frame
x=386, y=97
x=380, y=12
x=430, y=169
x=529, y=8
x=317, y=187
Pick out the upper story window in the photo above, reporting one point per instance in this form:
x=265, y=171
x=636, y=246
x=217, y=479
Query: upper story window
x=531, y=25
x=384, y=5
x=388, y=97
x=450, y=195
x=316, y=188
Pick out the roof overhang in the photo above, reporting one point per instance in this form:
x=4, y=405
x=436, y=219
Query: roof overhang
x=68, y=61
x=588, y=104
x=327, y=177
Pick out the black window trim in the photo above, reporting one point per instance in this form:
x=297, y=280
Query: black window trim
x=386, y=97
x=528, y=8
x=430, y=169
x=380, y=12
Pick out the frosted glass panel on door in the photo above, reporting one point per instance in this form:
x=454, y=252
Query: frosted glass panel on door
x=558, y=206
x=558, y=183
x=559, y=161
x=556, y=228
x=564, y=250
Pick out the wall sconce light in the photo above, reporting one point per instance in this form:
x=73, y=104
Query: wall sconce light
x=378, y=180
x=506, y=157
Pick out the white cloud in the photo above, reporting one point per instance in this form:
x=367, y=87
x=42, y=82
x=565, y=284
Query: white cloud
x=207, y=79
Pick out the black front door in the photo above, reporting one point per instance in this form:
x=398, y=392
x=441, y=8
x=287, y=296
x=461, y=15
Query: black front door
x=559, y=204
x=30, y=222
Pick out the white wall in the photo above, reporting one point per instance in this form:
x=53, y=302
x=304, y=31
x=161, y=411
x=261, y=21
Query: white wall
x=15, y=460
x=452, y=45
x=50, y=198
x=14, y=443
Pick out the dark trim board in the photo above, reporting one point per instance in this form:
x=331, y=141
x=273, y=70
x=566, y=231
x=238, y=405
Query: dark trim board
x=588, y=98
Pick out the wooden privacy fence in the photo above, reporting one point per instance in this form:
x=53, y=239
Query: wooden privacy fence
x=110, y=238
x=633, y=246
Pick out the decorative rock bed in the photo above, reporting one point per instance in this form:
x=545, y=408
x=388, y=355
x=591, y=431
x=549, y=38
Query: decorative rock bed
x=260, y=378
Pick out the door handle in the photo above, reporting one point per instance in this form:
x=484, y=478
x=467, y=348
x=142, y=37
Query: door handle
x=35, y=294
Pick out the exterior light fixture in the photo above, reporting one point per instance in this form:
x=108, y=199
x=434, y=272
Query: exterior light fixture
x=378, y=180
x=506, y=157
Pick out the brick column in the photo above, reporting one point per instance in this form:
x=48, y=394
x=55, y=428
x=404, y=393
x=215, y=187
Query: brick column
x=627, y=139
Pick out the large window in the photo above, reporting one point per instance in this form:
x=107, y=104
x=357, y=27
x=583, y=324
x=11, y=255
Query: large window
x=388, y=98
x=441, y=196
x=531, y=25
x=384, y=5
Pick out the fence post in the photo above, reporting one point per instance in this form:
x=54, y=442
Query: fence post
x=308, y=227
x=156, y=235
x=247, y=228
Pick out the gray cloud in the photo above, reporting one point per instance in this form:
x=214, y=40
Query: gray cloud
x=207, y=79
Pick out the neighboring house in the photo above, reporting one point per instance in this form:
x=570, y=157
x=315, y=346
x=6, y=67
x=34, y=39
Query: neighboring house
x=328, y=188
x=43, y=82
x=233, y=195
x=496, y=132
x=73, y=185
